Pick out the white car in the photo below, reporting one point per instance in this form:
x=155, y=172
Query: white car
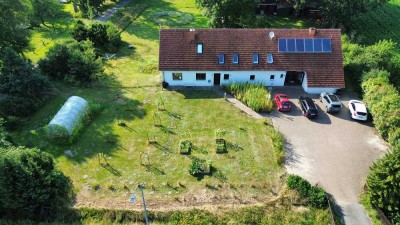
x=358, y=110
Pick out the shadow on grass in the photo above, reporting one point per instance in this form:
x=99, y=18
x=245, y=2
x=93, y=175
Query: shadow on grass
x=199, y=94
x=154, y=169
x=165, y=129
x=173, y=114
x=162, y=148
x=111, y=169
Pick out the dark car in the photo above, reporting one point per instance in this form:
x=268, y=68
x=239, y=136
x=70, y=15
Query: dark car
x=282, y=102
x=308, y=107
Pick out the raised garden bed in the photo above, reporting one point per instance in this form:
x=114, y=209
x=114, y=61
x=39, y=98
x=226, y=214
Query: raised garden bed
x=185, y=147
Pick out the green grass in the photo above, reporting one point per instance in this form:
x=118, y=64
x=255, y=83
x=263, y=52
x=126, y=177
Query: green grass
x=372, y=213
x=290, y=22
x=378, y=24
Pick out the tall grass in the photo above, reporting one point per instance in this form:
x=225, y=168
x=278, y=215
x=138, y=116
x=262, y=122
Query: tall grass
x=254, y=95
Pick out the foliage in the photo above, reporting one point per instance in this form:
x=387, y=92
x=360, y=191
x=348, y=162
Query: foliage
x=163, y=18
x=44, y=10
x=185, y=146
x=383, y=185
x=4, y=136
x=383, y=101
x=254, y=95
x=315, y=195
x=104, y=36
x=196, y=168
x=278, y=142
x=358, y=59
x=31, y=186
x=89, y=8
x=72, y=62
x=229, y=13
x=24, y=88
x=14, y=18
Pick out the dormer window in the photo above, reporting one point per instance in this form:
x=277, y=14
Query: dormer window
x=199, y=48
x=221, y=59
x=235, y=59
x=270, y=59
x=255, y=58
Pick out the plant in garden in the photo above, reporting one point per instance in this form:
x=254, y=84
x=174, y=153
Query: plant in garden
x=195, y=168
x=185, y=146
x=315, y=195
x=254, y=95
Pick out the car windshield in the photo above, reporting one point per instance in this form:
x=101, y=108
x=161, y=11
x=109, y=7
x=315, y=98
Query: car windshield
x=334, y=98
x=285, y=103
x=313, y=111
x=361, y=113
x=336, y=106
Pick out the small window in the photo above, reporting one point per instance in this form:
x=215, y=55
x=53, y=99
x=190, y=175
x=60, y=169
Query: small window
x=252, y=77
x=200, y=76
x=272, y=77
x=270, y=59
x=221, y=58
x=226, y=76
x=200, y=48
x=235, y=58
x=176, y=76
x=255, y=58
x=281, y=76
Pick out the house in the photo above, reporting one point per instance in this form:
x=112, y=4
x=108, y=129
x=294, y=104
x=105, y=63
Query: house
x=311, y=58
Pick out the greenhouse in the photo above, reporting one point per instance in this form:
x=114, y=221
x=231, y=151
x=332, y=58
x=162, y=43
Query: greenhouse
x=69, y=117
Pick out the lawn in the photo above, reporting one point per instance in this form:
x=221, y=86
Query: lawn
x=378, y=24
x=132, y=98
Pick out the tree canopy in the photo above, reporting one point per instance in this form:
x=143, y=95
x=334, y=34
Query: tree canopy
x=30, y=185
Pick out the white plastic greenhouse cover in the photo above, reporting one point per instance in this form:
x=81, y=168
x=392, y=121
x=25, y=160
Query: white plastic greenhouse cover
x=70, y=114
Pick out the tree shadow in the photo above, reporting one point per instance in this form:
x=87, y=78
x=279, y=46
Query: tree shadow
x=154, y=169
x=162, y=148
x=173, y=114
x=111, y=169
x=199, y=94
x=165, y=129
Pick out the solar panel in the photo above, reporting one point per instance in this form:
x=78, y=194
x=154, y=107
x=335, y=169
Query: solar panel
x=317, y=45
x=291, y=45
x=299, y=45
x=326, y=45
x=282, y=45
x=309, y=45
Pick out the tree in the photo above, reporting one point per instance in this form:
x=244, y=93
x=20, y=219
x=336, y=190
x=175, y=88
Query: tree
x=230, y=13
x=4, y=137
x=23, y=86
x=14, y=19
x=73, y=62
x=105, y=36
x=44, y=10
x=89, y=8
x=30, y=185
x=383, y=184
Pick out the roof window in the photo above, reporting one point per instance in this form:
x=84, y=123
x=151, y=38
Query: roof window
x=200, y=48
x=221, y=59
x=270, y=58
x=255, y=58
x=235, y=59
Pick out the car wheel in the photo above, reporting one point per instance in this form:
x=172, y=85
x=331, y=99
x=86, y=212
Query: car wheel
x=327, y=109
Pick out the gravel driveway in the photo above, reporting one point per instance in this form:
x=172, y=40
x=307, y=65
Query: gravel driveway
x=332, y=150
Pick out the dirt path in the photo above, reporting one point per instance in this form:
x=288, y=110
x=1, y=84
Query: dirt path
x=107, y=15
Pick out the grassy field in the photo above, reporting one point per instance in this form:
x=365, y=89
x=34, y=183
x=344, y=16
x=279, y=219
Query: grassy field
x=378, y=24
x=130, y=93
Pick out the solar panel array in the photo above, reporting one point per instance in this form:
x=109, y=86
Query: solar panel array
x=305, y=45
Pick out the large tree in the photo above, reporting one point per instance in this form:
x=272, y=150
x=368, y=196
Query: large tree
x=30, y=184
x=230, y=13
x=14, y=20
x=43, y=10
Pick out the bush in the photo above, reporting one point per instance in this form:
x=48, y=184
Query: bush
x=195, y=168
x=72, y=62
x=17, y=106
x=315, y=195
x=254, y=96
x=31, y=186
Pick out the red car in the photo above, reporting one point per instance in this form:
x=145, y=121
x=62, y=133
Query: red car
x=282, y=102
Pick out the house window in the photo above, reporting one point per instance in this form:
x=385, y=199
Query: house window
x=235, y=58
x=252, y=77
x=272, y=77
x=200, y=76
x=281, y=76
x=200, y=48
x=270, y=59
x=176, y=76
x=255, y=58
x=226, y=76
x=221, y=58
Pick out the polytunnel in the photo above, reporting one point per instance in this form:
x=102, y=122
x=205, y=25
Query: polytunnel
x=70, y=116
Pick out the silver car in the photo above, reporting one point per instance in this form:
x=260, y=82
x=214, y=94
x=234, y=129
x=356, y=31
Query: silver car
x=332, y=102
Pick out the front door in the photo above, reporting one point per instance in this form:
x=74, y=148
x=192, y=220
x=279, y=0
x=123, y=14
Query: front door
x=217, y=78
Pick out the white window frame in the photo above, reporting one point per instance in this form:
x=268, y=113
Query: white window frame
x=199, y=48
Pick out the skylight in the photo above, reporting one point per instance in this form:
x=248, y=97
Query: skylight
x=255, y=58
x=221, y=58
x=235, y=58
x=270, y=59
x=200, y=48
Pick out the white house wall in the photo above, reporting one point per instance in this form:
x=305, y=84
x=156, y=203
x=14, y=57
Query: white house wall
x=316, y=90
x=189, y=77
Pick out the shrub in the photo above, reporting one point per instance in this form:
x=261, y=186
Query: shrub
x=315, y=195
x=185, y=146
x=254, y=95
x=72, y=62
x=195, y=168
x=17, y=106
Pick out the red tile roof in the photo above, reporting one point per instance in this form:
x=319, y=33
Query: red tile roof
x=178, y=51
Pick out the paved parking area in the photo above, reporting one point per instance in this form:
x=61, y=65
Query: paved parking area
x=333, y=150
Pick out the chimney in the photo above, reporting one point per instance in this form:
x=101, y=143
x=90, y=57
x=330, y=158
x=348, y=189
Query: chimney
x=311, y=31
x=192, y=34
